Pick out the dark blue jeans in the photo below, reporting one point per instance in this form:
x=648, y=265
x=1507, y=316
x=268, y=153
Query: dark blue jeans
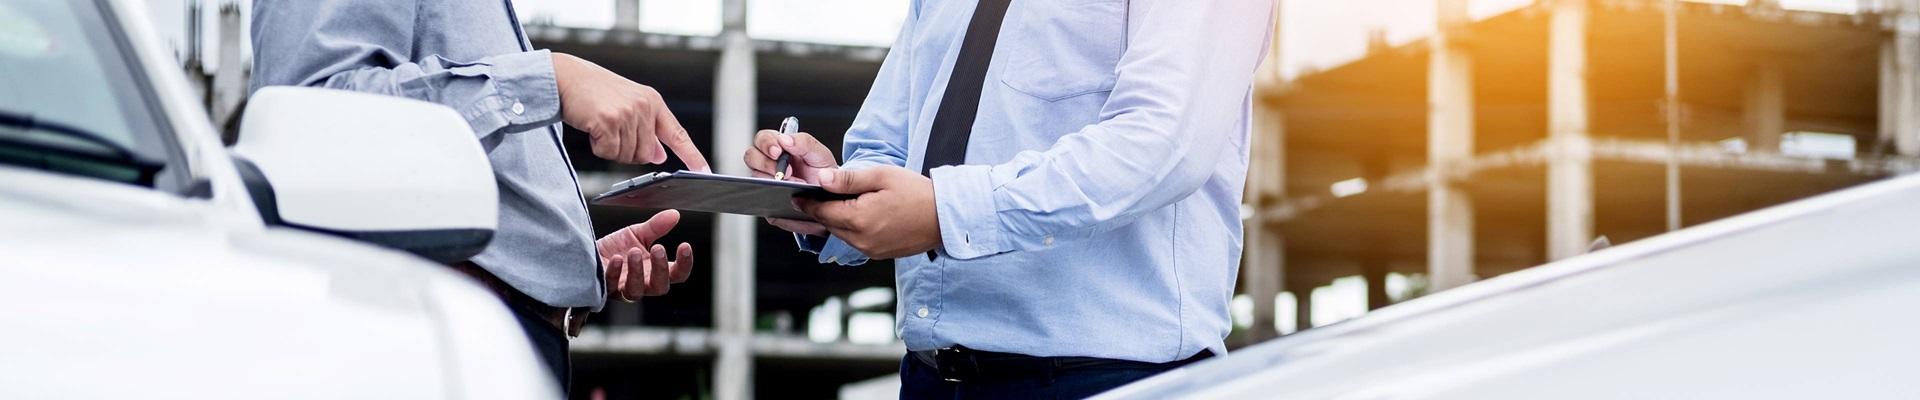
x=549, y=343
x=921, y=381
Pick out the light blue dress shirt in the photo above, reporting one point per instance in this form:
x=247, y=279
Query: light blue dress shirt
x=1098, y=213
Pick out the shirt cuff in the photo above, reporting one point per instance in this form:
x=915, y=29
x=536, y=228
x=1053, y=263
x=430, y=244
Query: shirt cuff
x=963, y=201
x=831, y=250
x=524, y=93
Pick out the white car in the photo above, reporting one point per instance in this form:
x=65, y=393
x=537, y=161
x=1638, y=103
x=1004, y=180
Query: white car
x=140, y=258
x=1807, y=300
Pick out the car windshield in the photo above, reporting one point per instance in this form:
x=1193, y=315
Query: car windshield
x=69, y=96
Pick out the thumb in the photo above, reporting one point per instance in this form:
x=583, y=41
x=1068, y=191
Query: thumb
x=645, y=233
x=850, y=182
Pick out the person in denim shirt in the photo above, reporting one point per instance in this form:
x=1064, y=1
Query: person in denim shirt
x=472, y=55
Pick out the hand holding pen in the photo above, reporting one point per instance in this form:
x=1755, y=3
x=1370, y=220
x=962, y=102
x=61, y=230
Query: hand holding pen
x=788, y=154
x=788, y=127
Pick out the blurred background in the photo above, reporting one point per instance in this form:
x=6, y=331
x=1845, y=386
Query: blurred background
x=1403, y=147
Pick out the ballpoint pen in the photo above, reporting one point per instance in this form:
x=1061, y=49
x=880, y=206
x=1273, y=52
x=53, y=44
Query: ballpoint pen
x=787, y=127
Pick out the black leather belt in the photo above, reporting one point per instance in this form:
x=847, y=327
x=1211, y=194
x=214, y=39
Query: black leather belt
x=961, y=364
x=568, y=320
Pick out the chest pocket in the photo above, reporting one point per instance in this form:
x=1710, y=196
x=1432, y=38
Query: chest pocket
x=1056, y=49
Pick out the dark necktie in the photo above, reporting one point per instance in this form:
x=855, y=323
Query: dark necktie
x=953, y=124
x=947, y=140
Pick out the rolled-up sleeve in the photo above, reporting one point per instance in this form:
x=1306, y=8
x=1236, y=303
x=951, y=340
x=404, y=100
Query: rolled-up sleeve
x=1179, y=98
x=365, y=46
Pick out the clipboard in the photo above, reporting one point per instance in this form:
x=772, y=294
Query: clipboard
x=705, y=192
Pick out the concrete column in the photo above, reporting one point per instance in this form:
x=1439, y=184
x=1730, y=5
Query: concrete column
x=626, y=15
x=1899, y=85
x=1671, y=105
x=1374, y=270
x=1569, y=175
x=1766, y=108
x=1266, y=246
x=1266, y=258
x=1302, y=306
x=1449, y=143
x=229, y=86
x=733, y=241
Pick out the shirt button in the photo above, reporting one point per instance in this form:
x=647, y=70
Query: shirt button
x=922, y=313
x=1048, y=241
x=519, y=108
x=834, y=259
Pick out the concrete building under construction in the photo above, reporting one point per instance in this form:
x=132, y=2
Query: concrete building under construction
x=1511, y=140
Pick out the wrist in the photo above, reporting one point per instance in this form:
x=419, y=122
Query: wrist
x=563, y=67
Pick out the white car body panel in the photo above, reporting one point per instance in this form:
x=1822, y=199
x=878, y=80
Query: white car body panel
x=109, y=280
x=321, y=151
x=117, y=291
x=1798, y=301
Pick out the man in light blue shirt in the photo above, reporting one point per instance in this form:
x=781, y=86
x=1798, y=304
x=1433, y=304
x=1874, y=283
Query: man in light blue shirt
x=1084, y=231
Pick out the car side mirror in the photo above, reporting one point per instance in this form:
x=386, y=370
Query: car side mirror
x=394, y=172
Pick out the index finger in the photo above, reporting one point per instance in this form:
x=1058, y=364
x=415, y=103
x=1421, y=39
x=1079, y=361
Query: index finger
x=675, y=137
x=810, y=151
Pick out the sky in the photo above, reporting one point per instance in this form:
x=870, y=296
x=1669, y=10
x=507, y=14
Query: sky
x=857, y=22
x=852, y=22
x=1324, y=34
x=1318, y=33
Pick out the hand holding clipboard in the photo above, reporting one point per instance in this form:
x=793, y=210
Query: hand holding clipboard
x=757, y=196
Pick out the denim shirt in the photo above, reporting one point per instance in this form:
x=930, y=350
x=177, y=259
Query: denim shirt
x=470, y=55
x=1098, y=211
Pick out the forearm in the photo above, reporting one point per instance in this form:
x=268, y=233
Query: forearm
x=503, y=93
x=362, y=45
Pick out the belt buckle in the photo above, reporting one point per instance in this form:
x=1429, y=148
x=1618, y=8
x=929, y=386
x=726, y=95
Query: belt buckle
x=948, y=362
x=574, y=322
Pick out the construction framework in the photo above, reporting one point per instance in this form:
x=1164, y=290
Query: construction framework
x=1518, y=139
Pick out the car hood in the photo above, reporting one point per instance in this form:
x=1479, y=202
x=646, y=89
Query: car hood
x=1794, y=301
x=163, y=295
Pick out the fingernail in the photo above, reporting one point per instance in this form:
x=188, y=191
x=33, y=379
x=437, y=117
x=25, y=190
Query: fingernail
x=786, y=140
x=827, y=176
x=773, y=151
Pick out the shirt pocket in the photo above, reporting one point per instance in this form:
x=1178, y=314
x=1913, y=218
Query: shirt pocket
x=1057, y=49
